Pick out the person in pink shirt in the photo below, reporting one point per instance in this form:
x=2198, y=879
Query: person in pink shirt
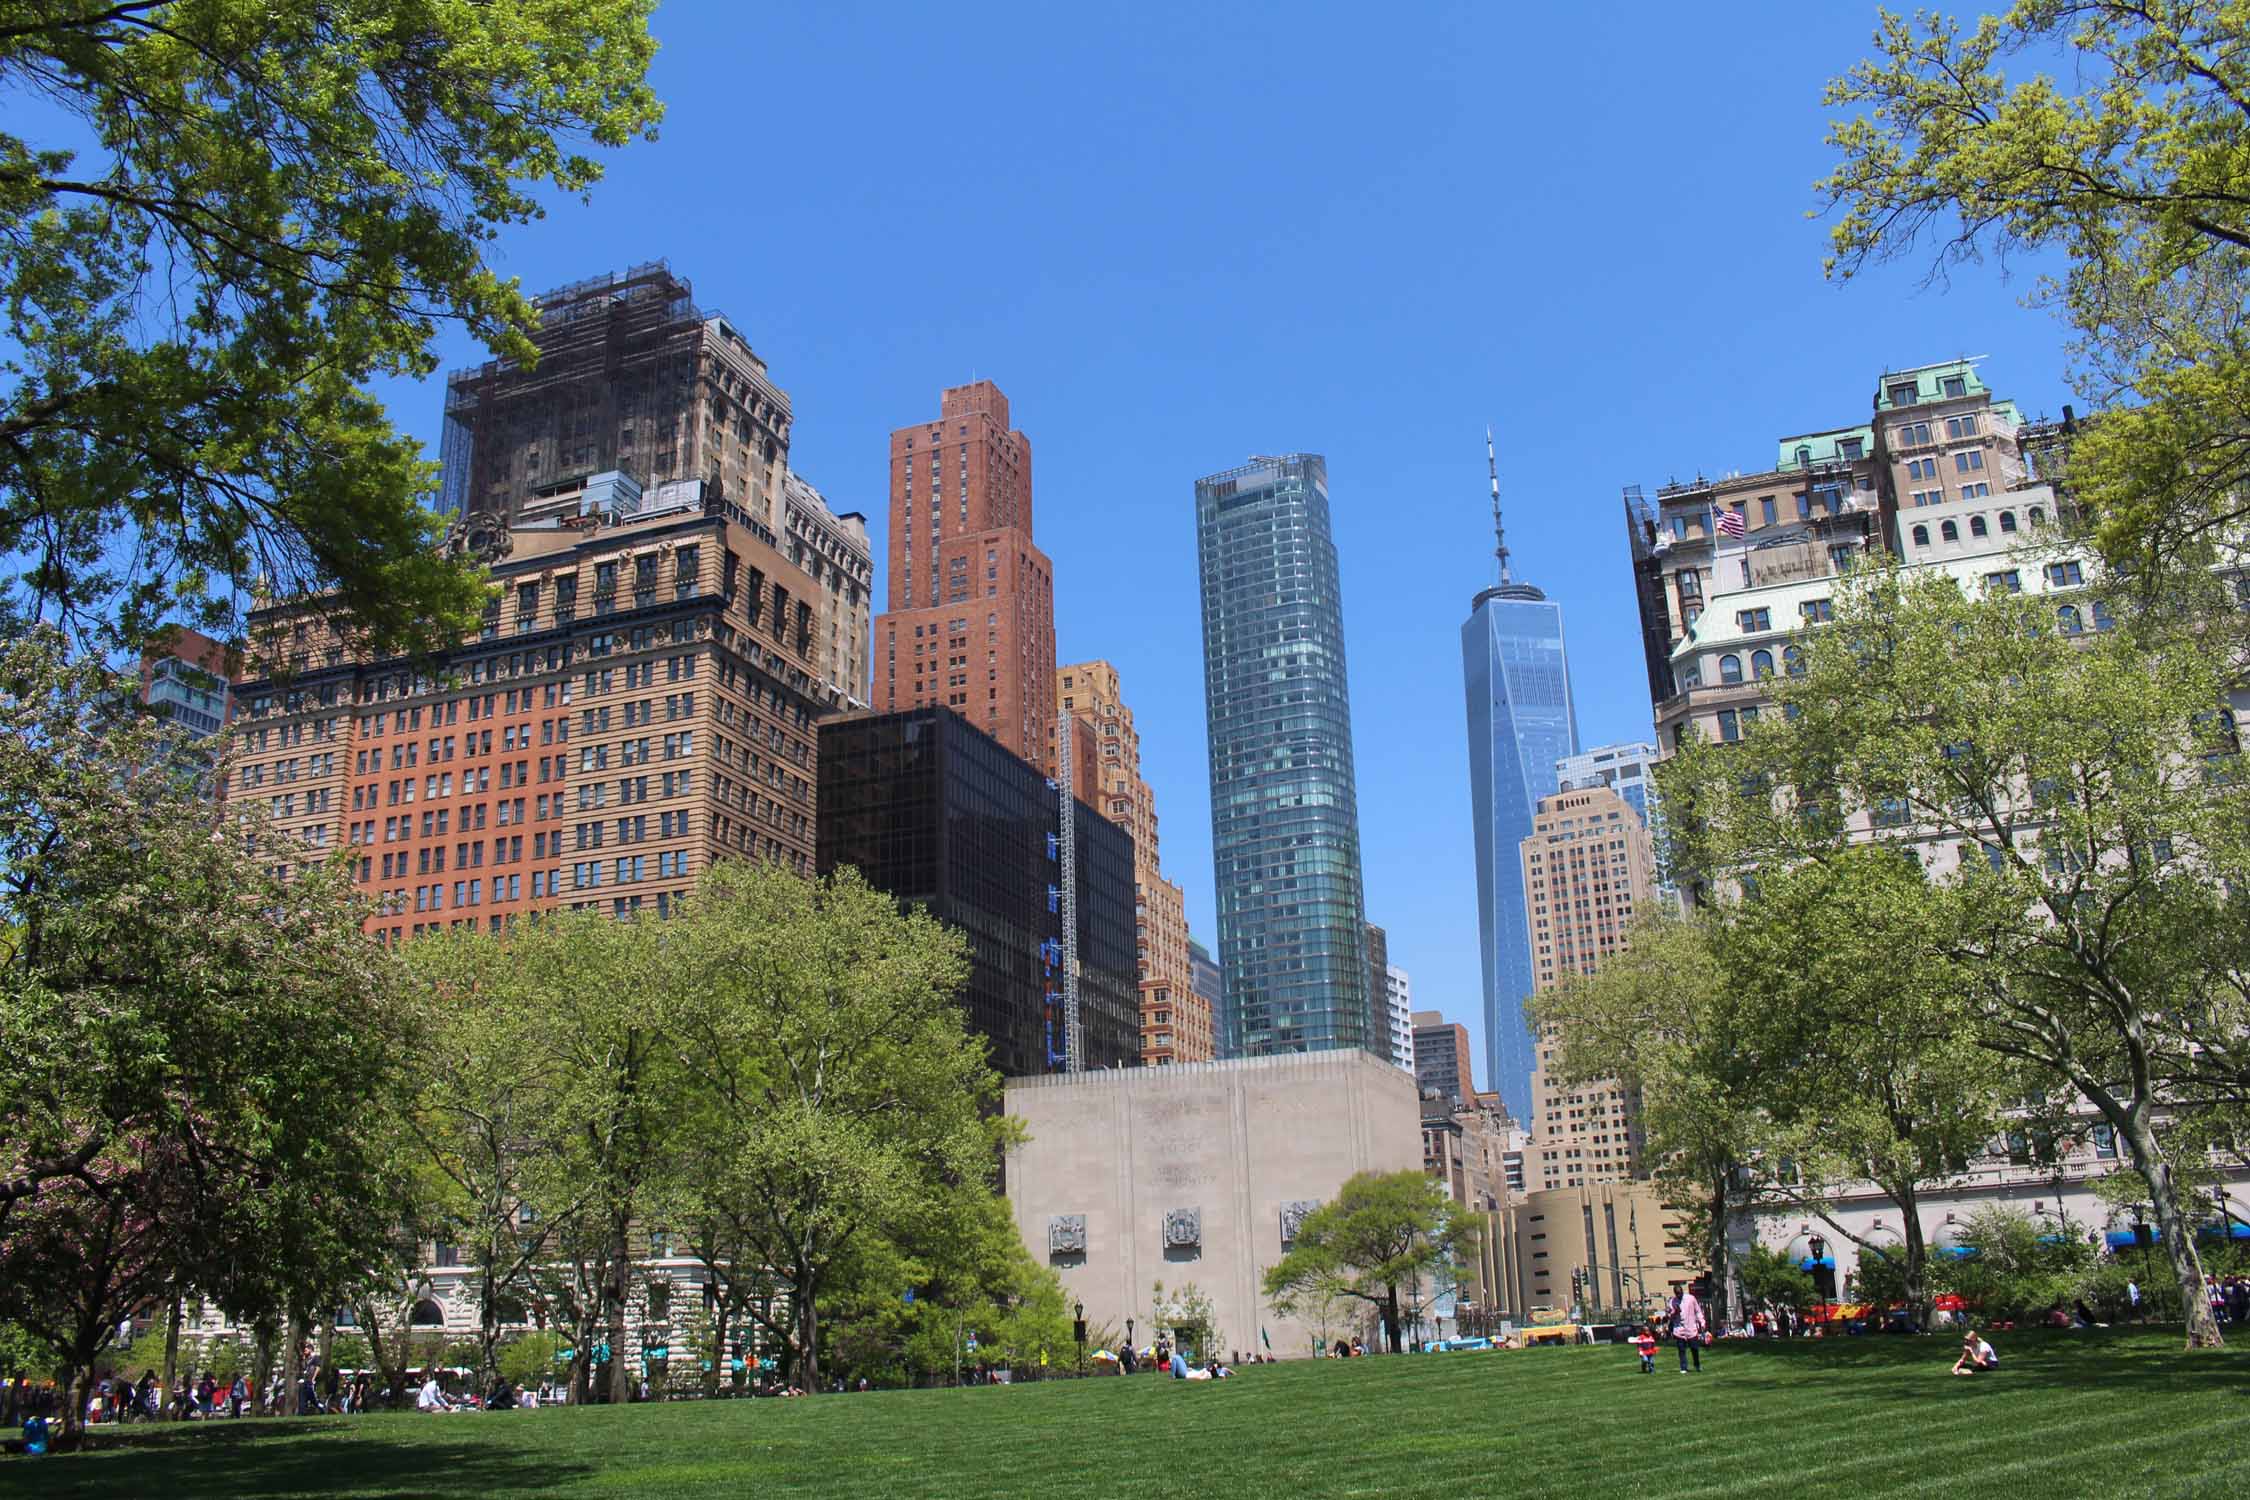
x=1688, y=1330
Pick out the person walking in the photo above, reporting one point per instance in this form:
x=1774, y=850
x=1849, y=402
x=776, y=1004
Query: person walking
x=1688, y=1330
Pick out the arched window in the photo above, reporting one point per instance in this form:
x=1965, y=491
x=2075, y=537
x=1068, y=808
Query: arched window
x=1804, y=455
x=1921, y=536
x=1730, y=668
x=1793, y=661
x=1976, y=526
x=1949, y=531
x=2007, y=522
x=2067, y=618
x=1761, y=664
x=427, y=1314
x=2038, y=515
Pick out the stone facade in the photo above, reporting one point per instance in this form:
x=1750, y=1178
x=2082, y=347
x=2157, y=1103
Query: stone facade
x=1190, y=1174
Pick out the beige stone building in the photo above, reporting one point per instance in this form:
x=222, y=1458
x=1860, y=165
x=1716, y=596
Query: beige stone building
x=1588, y=870
x=1464, y=1146
x=1625, y=1247
x=1198, y=1174
x=1176, y=1023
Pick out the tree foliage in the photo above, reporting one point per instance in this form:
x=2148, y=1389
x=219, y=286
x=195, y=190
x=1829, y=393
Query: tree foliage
x=2134, y=171
x=1380, y=1232
x=2075, y=810
x=190, y=1011
x=244, y=211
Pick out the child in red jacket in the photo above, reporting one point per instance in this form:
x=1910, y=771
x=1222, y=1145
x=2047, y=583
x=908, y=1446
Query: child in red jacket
x=1646, y=1343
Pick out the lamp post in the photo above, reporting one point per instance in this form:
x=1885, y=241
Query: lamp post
x=1078, y=1332
x=1819, y=1248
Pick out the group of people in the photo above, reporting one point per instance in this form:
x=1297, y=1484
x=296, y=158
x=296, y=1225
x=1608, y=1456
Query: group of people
x=2230, y=1298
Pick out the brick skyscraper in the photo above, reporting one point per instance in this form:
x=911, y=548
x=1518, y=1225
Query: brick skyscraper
x=971, y=624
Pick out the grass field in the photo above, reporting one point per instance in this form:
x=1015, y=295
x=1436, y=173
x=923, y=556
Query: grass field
x=2124, y=1415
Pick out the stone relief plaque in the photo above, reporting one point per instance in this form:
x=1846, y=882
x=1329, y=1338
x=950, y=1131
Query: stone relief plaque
x=1293, y=1214
x=1183, y=1228
x=1066, y=1234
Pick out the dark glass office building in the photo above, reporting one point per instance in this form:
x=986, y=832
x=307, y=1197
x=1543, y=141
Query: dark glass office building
x=941, y=815
x=1284, y=802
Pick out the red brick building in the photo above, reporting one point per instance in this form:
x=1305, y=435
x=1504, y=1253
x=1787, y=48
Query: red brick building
x=971, y=624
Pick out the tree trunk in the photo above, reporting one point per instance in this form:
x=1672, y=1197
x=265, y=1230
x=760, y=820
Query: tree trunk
x=614, y=1291
x=719, y=1323
x=808, y=1336
x=261, y=1367
x=171, y=1407
x=1723, y=1290
x=2179, y=1243
x=1918, y=1299
x=488, y=1329
x=77, y=1379
x=1390, y=1316
x=286, y=1403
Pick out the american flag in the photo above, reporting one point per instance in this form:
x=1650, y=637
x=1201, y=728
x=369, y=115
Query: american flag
x=1730, y=522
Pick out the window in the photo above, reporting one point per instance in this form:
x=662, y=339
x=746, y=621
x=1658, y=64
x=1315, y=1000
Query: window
x=2007, y=522
x=1977, y=526
x=1851, y=448
x=1730, y=726
x=1817, y=611
x=1905, y=393
x=1971, y=462
x=1960, y=427
x=2067, y=618
x=1804, y=505
x=1921, y=536
x=1753, y=620
x=2038, y=515
x=2009, y=580
x=1793, y=661
x=1955, y=385
x=2102, y=618
x=1761, y=664
x=1766, y=510
x=1977, y=491
x=1889, y=812
x=1804, y=455
x=2105, y=1142
x=1947, y=531
x=2065, y=575
x=1730, y=668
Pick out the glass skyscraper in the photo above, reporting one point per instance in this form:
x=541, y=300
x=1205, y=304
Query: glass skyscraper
x=1284, y=803
x=1521, y=721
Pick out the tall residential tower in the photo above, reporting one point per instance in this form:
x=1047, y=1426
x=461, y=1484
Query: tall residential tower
x=1284, y=803
x=1521, y=721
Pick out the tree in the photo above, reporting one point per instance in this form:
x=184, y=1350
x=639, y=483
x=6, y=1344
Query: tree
x=1380, y=1232
x=1660, y=1017
x=190, y=1009
x=488, y=1113
x=2074, y=799
x=2139, y=179
x=288, y=198
x=1856, y=1038
x=841, y=1090
x=1771, y=1279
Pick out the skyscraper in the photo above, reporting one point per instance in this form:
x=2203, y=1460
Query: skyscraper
x=1588, y=871
x=1628, y=770
x=1284, y=803
x=1176, y=1026
x=1521, y=721
x=971, y=623
x=642, y=400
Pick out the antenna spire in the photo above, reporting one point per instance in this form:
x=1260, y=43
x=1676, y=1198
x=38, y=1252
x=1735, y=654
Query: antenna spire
x=1499, y=532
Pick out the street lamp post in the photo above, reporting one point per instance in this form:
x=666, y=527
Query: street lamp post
x=1078, y=1332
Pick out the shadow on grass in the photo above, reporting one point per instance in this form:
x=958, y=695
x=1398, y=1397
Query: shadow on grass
x=281, y=1457
x=2140, y=1360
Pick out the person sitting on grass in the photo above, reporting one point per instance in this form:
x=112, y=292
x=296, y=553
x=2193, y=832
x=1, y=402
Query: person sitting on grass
x=433, y=1396
x=1645, y=1341
x=1977, y=1356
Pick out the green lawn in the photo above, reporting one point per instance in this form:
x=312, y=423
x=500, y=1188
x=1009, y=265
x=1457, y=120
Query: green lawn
x=2092, y=1415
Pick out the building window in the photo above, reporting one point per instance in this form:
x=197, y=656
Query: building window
x=1761, y=664
x=2010, y=581
x=1766, y=510
x=1905, y=393
x=1752, y=620
x=2038, y=515
x=2007, y=522
x=2065, y=575
x=2067, y=618
x=1851, y=448
x=1971, y=462
x=1730, y=725
x=1793, y=661
x=1730, y=668
x=1976, y=526
x=1955, y=385
x=1817, y=611
x=1949, y=532
x=1921, y=536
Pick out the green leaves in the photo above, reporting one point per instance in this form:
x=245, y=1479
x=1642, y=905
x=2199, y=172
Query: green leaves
x=2137, y=175
x=286, y=200
x=1380, y=1231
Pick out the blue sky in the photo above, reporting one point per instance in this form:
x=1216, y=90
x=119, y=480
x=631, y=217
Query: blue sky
x=1180, y=235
